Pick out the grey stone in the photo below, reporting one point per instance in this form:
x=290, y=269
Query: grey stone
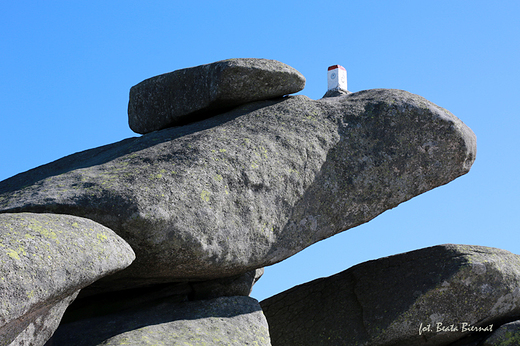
x=96, y=301
x=40, y=324
x=45, y=259
x=506, y=335
x=90, y=303
x=195, y=93
x=336, y=93
x=240, y=285
x=467, y=289
x=470, y=340
x=253, y=186
x=221, y=321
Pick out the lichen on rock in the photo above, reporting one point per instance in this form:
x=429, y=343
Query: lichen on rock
x=251, y=187
x=199, y=92
x=431, y=296
x=45, y=259
x=226, y=321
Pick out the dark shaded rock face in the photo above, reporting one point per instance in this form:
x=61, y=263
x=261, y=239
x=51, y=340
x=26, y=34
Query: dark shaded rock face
x=222, y=321
x=507, y=335
x=45, y=259
x=195, y=93
x=95, y=301
x=432, y=296
x=253, y=186
x=239, y=285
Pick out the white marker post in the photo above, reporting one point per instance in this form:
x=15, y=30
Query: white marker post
x=337, y=78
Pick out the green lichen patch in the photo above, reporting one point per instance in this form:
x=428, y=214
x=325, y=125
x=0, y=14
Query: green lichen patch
x=45, y=258
x=506, y=335
x=435, y=295
x=193, y=200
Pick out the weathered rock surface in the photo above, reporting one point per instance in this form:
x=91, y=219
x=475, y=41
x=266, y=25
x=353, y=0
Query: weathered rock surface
x=239, y=285
x=336, y=93
x=387, y=301
x=253, y=186
x=96, y=301
x=39, y=324
x=195, y=93
x=222, y=321
x=45, y=259
x=507, y=335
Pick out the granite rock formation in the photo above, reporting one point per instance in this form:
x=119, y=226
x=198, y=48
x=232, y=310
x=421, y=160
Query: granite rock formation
x=431, y=296
x=225, y=321
x=195, y=93
x=507, y=335
x=45, y=259
x=231, y=176
x=96, y=300
x=251, y=187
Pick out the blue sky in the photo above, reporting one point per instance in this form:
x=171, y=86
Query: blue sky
x=66, y=68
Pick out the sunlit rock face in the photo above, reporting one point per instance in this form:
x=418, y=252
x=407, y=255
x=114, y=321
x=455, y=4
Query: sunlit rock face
x=199, y=92
x=45, y=259
x=251, y=187
x=432, y=296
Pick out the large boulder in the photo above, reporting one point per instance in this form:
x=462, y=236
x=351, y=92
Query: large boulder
x=221, y=321
x=45, y=260
x=506, y=335
x=195, y=93
x=432, y=296
x=253, y=186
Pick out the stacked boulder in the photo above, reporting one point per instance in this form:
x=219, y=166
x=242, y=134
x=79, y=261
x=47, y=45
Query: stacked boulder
x=230, y=175
x=195, y=93
x=45, y=260
x=440, y=295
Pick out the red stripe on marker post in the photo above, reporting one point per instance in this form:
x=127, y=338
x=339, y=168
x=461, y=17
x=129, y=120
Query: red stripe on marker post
x=335, y=67
x=337, y=78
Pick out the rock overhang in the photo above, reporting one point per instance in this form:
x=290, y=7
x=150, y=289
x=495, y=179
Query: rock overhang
x=253, y=186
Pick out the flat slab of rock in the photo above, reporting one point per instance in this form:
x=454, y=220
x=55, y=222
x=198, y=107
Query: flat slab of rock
x=432, y=296
x=195, y=93
x=222, y=321
x=45, y=259
x=253, y=186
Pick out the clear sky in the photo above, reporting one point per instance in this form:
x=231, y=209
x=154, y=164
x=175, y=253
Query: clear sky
x=66, y=68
